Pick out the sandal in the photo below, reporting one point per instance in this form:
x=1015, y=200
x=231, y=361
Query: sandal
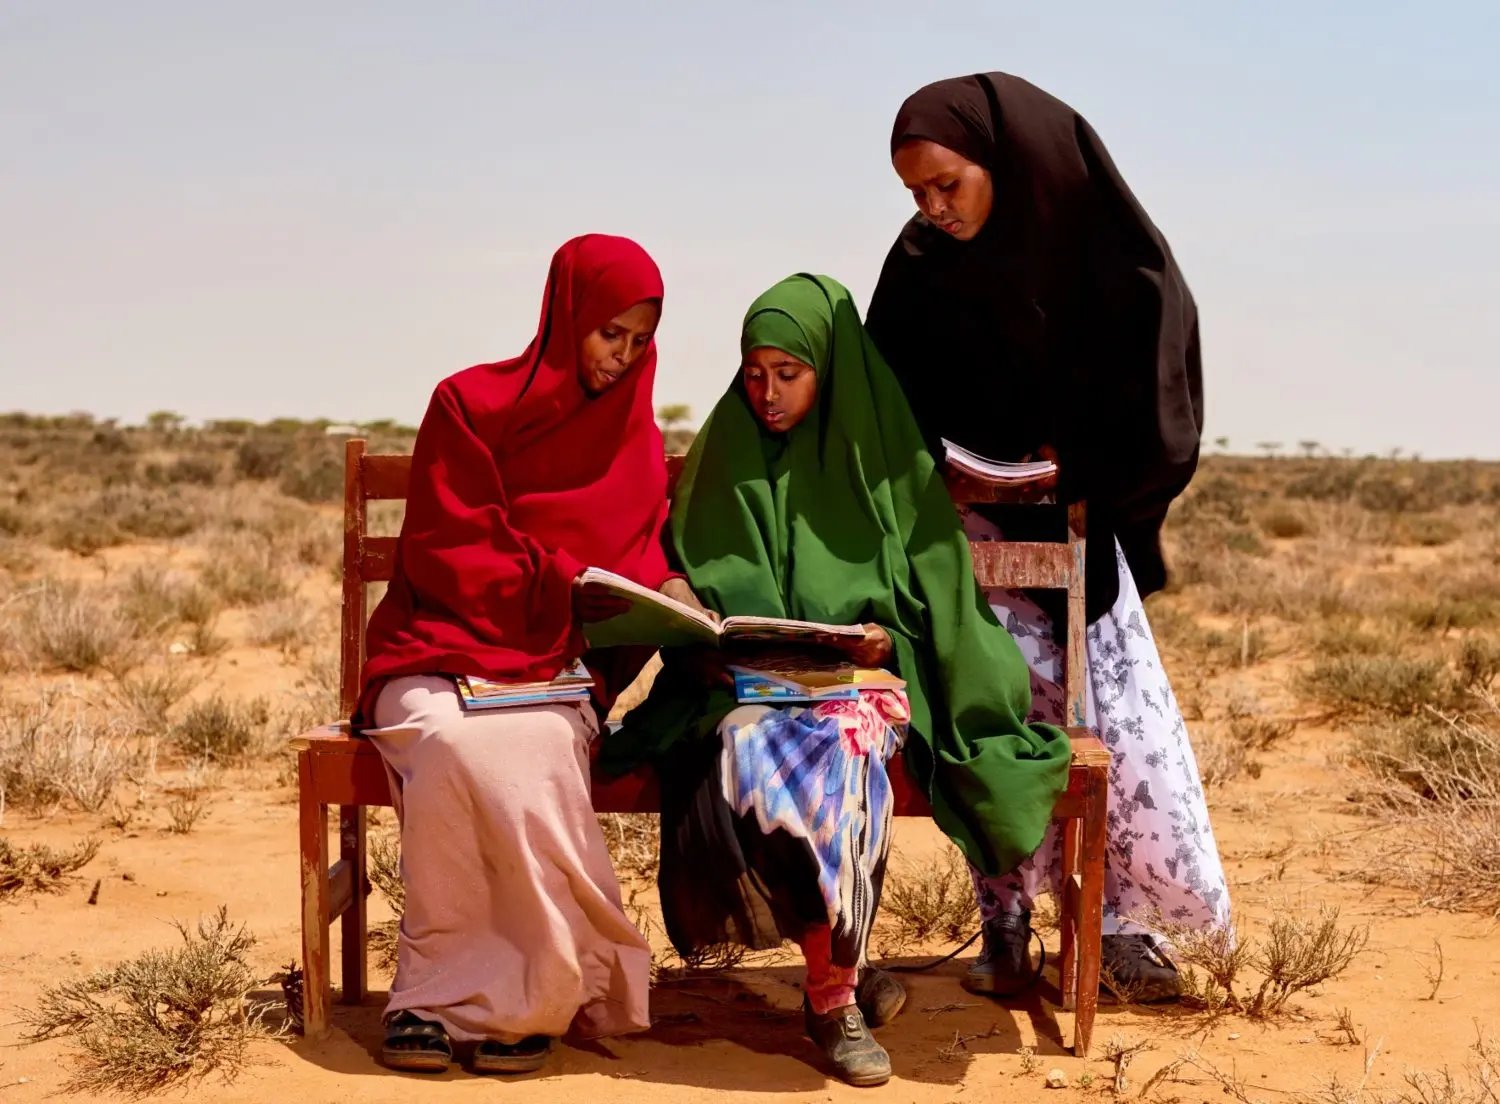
x=416, y=1045
x=527, y=1056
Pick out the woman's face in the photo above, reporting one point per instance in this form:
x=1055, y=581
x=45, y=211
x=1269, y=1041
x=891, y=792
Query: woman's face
x=954, y=194
x=605, y=355
x=781, y=388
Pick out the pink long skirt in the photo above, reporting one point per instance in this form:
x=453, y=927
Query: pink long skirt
x=513, y=924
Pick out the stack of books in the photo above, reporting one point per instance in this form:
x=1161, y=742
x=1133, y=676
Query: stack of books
x=573, y=684
x=795, y=681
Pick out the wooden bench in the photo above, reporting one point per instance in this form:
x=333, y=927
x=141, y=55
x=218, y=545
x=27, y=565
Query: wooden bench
x=336, y=768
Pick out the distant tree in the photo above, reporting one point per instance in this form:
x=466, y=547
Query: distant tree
x=673, y=413
x=1221, y=443
x=164, y=421
x=671, y=416
x=1310, y=448
x=1395, y=453
x=1270, y=448
x=1348, y=453
x=236, y=426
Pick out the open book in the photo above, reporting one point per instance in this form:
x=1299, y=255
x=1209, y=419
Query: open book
x=665, y=622
x=986, y=470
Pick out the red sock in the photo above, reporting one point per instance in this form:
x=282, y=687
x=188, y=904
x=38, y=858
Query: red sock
x=828, y=986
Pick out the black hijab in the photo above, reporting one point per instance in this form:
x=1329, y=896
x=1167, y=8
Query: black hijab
x=1065, y=321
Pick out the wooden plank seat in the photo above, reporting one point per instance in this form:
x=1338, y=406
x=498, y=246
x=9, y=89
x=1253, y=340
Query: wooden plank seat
x=336, y=768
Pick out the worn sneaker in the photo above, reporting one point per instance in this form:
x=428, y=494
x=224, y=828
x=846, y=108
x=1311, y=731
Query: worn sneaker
x=1134, y=969
x=846, y=1042
x=1004, y=966
x=880, y=997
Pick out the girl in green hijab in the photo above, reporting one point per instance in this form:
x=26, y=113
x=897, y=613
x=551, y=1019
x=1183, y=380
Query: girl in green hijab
x=810, y=494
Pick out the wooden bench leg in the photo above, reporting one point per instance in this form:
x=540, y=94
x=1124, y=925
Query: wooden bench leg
x=354, y=923
x=1070, y=914
x=313, y=838
x=1091, y=911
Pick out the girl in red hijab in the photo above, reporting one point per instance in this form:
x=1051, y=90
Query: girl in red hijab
x=524, y=473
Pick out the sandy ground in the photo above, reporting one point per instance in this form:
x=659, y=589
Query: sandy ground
x=1290, y=839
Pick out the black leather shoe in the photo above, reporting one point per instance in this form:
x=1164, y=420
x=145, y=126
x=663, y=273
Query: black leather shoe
x=846, y=1042
x=1004, y=967
x=1138, y=969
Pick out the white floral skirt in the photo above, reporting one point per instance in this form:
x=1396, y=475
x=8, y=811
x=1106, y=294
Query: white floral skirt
x=1161, y=855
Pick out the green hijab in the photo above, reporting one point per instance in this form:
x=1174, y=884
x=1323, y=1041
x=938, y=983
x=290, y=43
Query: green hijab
x=844, y=519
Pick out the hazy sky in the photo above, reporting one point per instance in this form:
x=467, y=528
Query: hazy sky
x=321, y=208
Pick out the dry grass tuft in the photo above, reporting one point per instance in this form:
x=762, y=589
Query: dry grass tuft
x=286, y=625
x=154, y=601
x=167, y=1017
x=51, y=752
x=634, y=841
x=64, y=627
x=932, y=899
x=1297, y=952
x=147, y=695
x=245, y=574
x=1434, y=783
x=38, y=868
x=222, y=731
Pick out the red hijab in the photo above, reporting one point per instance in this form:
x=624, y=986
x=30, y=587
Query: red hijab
x=519, y=481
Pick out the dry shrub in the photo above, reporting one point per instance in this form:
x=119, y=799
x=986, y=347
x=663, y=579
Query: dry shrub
x=83, y=534
x=17, y=557
x=1350, y=637
x=1297, y=952
x=147, y=695
x=634, y=841
x=1427, y=530
x=384, y=868
x=38, y=868
x=1395, y=684
x=315, y=697
x=286, y=625
x=166, y=1017
x=154, y=600
x=64, y=626
x=51, y=752
x=1286, y=521
x=932, y=898
x=1451, y=599
x=315, y=473
x=1222, y=758
x=189, y=798
x=1401, y=685
x=202, y=471
x=1435, y=783
x=121, y=513
x=222, y=731
x=205, y=641
x=246, y=574
x=1476, y=1082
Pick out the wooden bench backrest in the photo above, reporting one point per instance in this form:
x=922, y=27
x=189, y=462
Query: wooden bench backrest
x=368, y=559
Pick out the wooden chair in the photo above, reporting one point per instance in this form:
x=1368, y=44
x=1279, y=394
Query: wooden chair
x=336, y=768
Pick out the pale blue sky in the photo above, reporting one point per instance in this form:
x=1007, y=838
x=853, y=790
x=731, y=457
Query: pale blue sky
x=248, y=210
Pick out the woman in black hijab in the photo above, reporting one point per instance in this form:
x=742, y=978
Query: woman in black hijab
x=1031, y=308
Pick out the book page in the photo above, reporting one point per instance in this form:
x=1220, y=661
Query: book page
x=652, y=619
x=996, y=471
x=780, y=630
